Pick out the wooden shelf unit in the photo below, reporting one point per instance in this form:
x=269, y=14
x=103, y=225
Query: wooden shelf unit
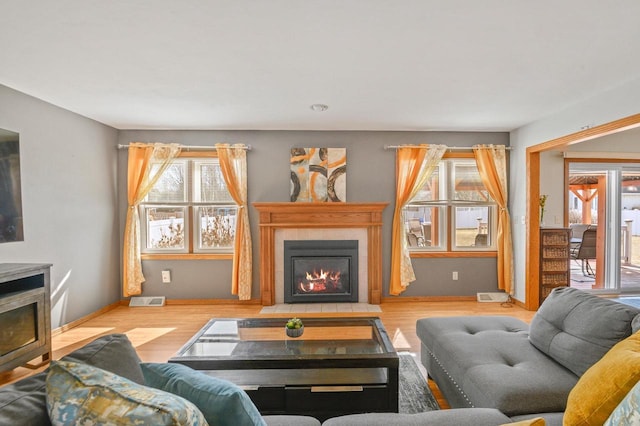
x=554, y=259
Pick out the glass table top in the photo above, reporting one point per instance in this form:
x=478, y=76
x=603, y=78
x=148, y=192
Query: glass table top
x=265, y=338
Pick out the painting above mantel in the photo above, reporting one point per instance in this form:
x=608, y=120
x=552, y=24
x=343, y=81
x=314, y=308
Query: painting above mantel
x=318, y=174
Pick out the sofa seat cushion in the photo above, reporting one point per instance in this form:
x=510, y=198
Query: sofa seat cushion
x=287, y=420
x=457, y=416
x=492, y=362
x=536, y=421
x=576, y=328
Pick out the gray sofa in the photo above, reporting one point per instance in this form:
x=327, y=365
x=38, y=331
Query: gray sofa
x=24, y=402
x=512, y=372
x=523, y=370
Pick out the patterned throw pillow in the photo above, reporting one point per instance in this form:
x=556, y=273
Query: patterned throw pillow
x=81, y=394
x=627, y=413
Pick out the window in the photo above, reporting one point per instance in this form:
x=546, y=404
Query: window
x=453, y=211
x=189, y=209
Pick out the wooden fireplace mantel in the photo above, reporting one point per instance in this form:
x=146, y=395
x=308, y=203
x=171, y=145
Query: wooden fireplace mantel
x=275, y=216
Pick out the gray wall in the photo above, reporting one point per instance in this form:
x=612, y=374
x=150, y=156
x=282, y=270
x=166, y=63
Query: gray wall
x=68, y=174
x=370, y=178
x=619, y=102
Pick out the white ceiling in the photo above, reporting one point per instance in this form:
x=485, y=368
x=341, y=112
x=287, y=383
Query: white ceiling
x=259, y=64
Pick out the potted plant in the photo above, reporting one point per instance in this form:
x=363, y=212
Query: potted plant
x=294, y=327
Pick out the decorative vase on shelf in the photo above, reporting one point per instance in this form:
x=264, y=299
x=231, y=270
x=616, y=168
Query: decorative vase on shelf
x=543, y=202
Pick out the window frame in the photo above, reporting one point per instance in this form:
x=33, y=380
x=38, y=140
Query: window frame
x=191, y=234
x=446, y=226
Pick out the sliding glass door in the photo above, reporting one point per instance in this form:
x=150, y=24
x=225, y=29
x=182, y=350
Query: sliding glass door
x=604, y=215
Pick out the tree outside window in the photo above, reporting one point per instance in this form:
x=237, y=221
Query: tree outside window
x=189, y=210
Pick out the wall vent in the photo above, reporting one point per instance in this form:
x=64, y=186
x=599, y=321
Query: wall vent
x=493, y=297
x=147, y=301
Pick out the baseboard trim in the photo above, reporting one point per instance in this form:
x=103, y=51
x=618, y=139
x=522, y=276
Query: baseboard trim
x=518, y=303
x=429, y=299
x=125, y=302
x=59, y=330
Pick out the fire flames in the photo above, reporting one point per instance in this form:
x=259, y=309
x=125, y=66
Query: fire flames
x=320, y=282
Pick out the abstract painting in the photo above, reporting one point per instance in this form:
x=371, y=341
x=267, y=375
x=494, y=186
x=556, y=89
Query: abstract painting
x=318, y=174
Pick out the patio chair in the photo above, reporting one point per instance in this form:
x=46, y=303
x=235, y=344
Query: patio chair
x=415, y=229
x=586, y=250
x=412, y=240
x=577, y=229
x=481, y=240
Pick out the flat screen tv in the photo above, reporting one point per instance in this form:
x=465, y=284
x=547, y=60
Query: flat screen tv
x=10, y=191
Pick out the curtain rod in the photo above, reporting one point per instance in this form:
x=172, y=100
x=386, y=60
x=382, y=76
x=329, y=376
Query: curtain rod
x=450, y=148
x=191, y=147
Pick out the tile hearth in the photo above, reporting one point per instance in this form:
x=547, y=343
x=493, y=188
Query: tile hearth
x=304, y=308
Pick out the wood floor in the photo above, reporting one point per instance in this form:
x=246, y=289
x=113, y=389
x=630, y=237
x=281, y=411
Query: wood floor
x=158, y=332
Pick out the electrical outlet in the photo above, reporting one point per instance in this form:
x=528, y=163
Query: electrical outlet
x=454, y=276
x=166, y=276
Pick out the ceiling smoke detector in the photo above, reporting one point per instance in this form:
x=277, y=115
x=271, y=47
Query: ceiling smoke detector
x=319, y=107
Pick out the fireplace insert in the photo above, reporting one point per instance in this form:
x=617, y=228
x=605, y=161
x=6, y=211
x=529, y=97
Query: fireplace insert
x=320, y=271
x=25, y=325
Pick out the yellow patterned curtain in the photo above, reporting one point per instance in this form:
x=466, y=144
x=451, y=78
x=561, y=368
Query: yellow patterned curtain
x=414, y=165
x=233, y=162
x=492, y=165
x=140, y=180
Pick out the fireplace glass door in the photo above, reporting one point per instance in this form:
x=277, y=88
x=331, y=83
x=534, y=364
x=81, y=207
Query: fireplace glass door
x=321, y=271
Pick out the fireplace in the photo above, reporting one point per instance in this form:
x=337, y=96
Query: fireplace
x=280, y=222
x=320, y=271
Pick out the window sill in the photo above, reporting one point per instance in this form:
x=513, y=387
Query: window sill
x=434, y=254
x=186, y=256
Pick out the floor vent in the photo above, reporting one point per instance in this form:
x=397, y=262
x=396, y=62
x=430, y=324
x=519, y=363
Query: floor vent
x=147, y=301
x=493, y=297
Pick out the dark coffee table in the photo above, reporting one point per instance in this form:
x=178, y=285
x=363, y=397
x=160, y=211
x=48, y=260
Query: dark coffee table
x=338, y=366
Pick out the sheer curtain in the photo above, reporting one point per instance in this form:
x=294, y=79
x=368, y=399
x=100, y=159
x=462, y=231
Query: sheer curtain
x=140, y=180
x=492, y=165
x=414, y=165
x=233, y=162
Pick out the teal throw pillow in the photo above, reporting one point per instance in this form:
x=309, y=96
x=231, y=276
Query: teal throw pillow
x=222, y=402
x=627, y=413
x=80, y=394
